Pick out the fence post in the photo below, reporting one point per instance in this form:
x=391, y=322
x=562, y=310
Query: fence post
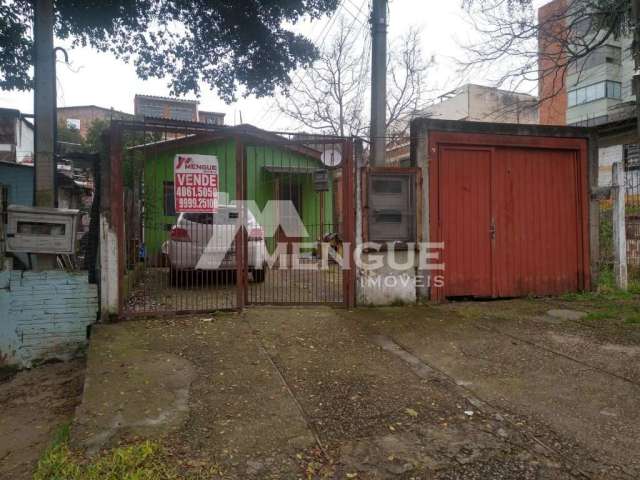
x=619, y=229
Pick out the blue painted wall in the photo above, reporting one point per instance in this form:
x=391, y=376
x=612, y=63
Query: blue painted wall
x=44, y=315
x=19, y=179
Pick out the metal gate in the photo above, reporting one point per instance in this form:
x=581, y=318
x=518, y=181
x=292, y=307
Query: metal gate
x=283, y=215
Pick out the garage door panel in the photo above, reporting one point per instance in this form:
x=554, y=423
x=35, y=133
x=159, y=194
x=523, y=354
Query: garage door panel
x=533, y=190
x=537, y=241
x=465, y=212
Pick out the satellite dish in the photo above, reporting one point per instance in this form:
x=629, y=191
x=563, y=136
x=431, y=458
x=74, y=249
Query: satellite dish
x=331, y=157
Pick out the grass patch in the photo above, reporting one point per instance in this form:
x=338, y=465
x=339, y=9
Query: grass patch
x=141, y=461
x=608, y=302
x=607, y=291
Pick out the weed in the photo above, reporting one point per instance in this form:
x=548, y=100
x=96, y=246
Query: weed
x=140, y=461
x=633, y=319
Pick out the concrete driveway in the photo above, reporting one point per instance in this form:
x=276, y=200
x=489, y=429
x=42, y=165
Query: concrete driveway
x=471, y=390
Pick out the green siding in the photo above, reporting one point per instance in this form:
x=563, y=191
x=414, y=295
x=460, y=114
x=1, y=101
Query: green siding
x=261, y=185
x=159, y=169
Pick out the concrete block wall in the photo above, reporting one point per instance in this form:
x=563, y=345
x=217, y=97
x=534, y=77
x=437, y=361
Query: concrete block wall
x=606, y=158
x=389, y=284
x=44, y=315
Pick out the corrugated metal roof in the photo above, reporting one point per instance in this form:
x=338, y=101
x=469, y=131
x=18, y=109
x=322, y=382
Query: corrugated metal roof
x=167, y=99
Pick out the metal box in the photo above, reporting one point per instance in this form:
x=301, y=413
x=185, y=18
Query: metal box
x=321, y=180
x=392, y=207
x=41, y=230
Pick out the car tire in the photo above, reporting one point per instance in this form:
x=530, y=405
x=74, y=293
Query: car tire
x=259, y=275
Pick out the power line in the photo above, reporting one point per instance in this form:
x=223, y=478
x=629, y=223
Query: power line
x=296, y=73
x=324, y=35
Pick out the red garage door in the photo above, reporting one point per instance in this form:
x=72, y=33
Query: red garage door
x=512, y=213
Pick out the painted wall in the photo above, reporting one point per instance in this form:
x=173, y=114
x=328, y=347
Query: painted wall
x=261, y=185
x=19, y=180
x=44, y=315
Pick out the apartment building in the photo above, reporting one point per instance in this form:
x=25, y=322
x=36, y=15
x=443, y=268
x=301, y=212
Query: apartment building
x=592, y=91
x=595, y=90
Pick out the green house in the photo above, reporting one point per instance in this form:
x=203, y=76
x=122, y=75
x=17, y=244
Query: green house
x=276, y=169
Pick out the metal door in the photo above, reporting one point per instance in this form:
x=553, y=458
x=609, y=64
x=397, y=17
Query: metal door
x=537, y=245
x=512, y=213
x=465, y=213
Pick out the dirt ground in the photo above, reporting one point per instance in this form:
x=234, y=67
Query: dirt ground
x=33, y=405
x=525, y=389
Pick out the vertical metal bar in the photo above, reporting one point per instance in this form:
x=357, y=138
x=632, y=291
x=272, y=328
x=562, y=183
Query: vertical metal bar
x=349, y=223
x=241, y=234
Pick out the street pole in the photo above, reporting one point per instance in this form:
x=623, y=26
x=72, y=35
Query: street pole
x=44, y=109
x=378, y=81
x=44, y=104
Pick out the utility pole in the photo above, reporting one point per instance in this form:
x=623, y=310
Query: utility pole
x=378, y=81
x=44, y=109
x=44, y=104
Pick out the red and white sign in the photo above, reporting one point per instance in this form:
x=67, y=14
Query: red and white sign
x=195, y=183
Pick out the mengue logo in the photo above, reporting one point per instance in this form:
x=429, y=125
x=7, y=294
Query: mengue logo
x=300, y=251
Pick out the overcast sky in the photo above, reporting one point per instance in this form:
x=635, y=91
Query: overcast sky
x=98, y=78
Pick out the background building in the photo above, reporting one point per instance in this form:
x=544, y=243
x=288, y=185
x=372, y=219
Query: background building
x=592, y=91
x=81, y=117
x=552, y=91
x=16, y=137
x=484, y=104
x=474, y=103
x=212, y=118
x=174, y=109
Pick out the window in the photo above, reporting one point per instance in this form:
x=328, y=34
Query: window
x=73, y=123
x=169, y=200
x=590, y=93
x=614, y=90
x=41, y=228
x=388, y=216
x=631, y=157
x=393, y=187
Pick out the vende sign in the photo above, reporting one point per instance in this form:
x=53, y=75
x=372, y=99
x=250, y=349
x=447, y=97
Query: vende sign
x=195, y=183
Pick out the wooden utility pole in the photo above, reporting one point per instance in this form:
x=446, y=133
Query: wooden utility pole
x=378, y=81
x=44, y=104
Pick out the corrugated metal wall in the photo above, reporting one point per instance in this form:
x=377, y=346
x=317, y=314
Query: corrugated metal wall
x=512, y=214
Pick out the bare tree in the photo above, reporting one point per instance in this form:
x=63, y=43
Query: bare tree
x=330, y=97
x=509, y=33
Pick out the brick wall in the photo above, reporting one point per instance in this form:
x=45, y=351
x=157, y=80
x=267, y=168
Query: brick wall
x=87, y=115
x=552, y=91
x=44, y=315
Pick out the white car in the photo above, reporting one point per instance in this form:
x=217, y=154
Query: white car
x=205, y=241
